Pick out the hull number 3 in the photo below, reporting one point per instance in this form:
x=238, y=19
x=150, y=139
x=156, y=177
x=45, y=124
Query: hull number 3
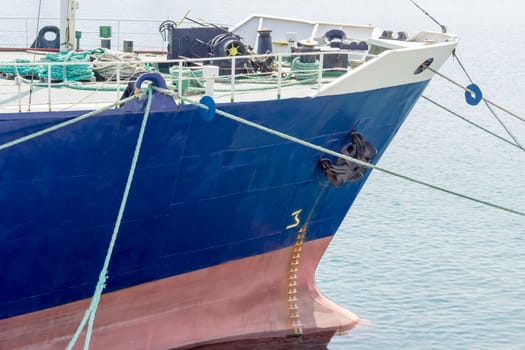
x=297, y=219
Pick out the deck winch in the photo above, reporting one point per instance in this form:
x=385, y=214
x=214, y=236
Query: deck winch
x=228, y=45
x=205, y=41
x=216, y=43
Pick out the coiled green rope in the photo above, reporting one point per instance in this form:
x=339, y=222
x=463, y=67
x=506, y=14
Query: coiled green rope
x=304, y=71
x=67, y=72
x=40, y=70
x=22, y=70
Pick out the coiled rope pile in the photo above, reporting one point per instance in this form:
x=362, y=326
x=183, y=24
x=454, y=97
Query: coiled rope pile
x=75, y=72
x=304, y=70
x=25, y=70
x=41, y=70
x=107, y=63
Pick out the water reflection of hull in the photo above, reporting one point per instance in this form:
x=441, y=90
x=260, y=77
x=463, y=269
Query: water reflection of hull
x=318, y=341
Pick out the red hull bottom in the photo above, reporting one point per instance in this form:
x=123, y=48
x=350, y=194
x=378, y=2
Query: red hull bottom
x=255, y=297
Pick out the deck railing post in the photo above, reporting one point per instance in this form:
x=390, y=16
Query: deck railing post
x=209, y=73
x=232, y=96
x=118, y=81
x=320, y=76
x=279, y=75
x=179, y=82
x=18, y=81
x=49, y=86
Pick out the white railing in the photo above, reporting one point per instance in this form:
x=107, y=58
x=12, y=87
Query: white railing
x=228, y=82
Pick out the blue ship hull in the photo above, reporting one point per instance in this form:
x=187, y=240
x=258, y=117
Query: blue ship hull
x=204, y=193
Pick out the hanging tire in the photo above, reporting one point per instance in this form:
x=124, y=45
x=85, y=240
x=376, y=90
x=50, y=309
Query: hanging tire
x=334, y=34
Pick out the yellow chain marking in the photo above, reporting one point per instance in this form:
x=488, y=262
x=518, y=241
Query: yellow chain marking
x=293, y=306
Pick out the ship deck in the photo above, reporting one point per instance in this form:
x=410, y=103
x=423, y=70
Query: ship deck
x=21, y=93
x=288, y=70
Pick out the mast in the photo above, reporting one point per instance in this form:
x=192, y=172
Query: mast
x=67, y=24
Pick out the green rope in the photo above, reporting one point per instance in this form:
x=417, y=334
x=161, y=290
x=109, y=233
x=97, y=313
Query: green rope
x=471, y=122
x=64, y=124
x=67, y=72
x=75, y=85
x=97, y=88
x=487, y=102
x=304, y=71
x=89, y=315
x=263, y=88
x=20, y=70
x=40, y=70
x=342, y=156
x=15, y=97
x=471, y=92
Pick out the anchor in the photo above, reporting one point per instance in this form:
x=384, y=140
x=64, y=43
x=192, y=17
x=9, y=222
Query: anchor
x=346, y=171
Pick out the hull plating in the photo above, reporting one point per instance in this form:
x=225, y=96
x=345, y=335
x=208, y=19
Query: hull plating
x=246, y=298
x=204, y=194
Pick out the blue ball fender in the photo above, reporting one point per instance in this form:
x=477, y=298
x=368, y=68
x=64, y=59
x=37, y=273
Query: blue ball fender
x=473, y=99
x=210, y=113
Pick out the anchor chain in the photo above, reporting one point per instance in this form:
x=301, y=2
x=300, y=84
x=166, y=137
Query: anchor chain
x=293, y=306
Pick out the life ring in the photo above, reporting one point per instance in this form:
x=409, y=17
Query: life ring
x=476, y=98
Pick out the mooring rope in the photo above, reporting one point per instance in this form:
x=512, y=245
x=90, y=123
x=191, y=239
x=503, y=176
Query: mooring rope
x=472, y=92
x=489, y=107
x=488, y=103
x=470, y=122
x=64, y=124
x=454, y=54
x=89, y=315
x=339, y=155
x=443, y=28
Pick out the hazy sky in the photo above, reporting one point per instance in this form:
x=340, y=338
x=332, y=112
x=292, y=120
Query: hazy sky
x=360, y=11
x=468, y=18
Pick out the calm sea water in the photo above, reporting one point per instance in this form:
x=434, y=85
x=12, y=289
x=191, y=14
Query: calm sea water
x=424, y=269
